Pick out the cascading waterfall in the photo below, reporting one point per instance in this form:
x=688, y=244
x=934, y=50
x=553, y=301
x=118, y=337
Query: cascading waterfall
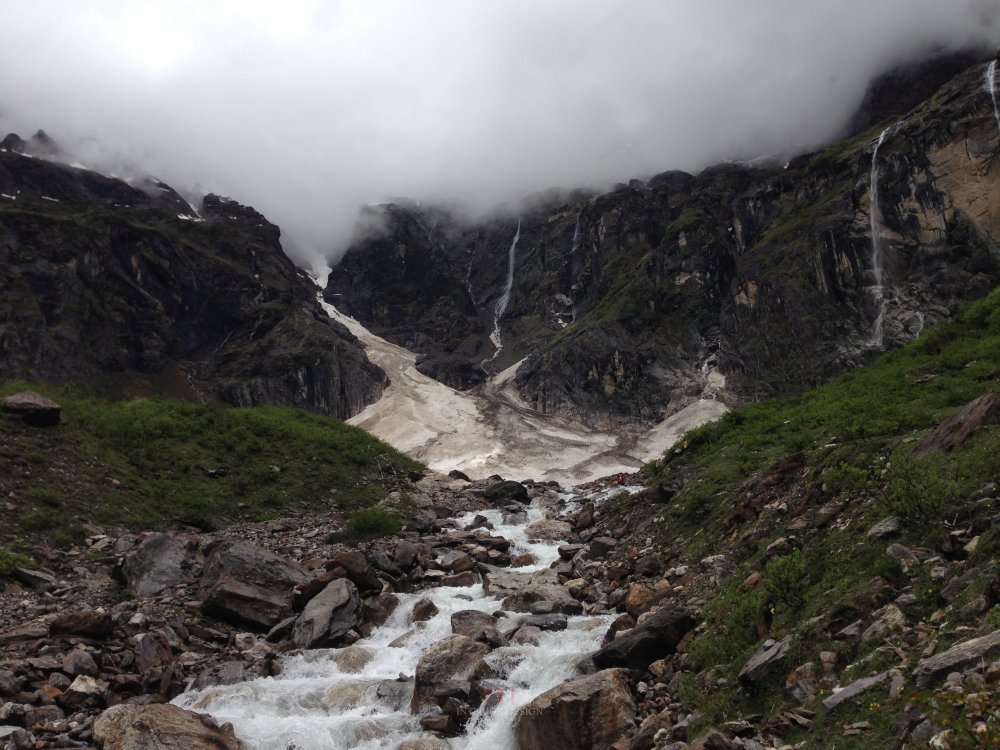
x=991, y=85
x=355, y=697
x=501, y=306
x=874, y=213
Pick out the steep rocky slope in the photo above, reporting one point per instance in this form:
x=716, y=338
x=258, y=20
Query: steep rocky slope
x=764, y=280
x=128, y=287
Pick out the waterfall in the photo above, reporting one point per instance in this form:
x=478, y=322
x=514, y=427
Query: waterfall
x=874, y=212
x=991, y=84
x=501, y=306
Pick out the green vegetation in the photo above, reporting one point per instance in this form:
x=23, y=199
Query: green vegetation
x=155, y=463
x=834, y=461
x=370, y=523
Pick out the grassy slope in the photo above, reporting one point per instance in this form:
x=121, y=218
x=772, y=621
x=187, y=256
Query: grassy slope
x=158, y=463
x=852, y=440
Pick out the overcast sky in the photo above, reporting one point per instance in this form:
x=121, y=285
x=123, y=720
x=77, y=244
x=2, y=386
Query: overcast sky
x=306, y=109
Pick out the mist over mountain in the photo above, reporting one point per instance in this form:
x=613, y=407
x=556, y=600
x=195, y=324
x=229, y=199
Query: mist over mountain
x=307, y=110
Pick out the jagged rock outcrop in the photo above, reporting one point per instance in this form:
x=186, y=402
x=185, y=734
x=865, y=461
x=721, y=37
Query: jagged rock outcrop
x=131, y=284
x=737, y=282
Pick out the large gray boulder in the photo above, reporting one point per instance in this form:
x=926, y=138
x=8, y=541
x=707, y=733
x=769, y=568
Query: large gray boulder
x=328, y=616
x=157, y=564
x=588, y=713
x=449, y=661
x=33, y=409
x=248, y=585
x=958, y=657
x=161, y=727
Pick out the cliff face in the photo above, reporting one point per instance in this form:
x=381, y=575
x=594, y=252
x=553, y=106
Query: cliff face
x=129, y=287
x=737, y=282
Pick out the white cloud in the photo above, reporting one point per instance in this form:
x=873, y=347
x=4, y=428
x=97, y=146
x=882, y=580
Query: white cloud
x=306, y=109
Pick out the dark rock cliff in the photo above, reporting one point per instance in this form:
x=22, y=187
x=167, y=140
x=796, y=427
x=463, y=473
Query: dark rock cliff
x=633, y=303
x=126, y=287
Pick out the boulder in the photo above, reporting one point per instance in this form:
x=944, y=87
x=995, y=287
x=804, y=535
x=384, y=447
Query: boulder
x=764, y=660
x=457, y=562
x=588, y=713
x=856, y=688
x=33, y=409
x=962, y=425
x=161, y=727
x=423, y=610
x=472, y=623
x=156, y=564
x=328, y=616
x=378, y=609
x=151, y=650
x=450, y=660
x=656, y=638
x=85, y=692
x=585, y=518
x=248, y=585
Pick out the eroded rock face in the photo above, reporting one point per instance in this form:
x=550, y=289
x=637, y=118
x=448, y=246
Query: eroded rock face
x=588, y=713
x=111, y=277
x=161, y=727
x=749, y=279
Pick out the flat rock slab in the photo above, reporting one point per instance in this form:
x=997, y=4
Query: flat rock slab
x=856, y=688
x=957, y=657
x=762, y=662
x=962, y=425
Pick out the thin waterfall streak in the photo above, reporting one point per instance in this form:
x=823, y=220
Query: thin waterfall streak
x=501, y=306
x=874, y=212
x=991, y=85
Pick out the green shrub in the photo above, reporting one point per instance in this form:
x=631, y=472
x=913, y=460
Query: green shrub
x=784, y=579
x=372, y=523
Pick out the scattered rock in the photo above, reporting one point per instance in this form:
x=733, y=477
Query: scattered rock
x=856, y=688
x=328, y=616
x=764, y=660
x=957, y=657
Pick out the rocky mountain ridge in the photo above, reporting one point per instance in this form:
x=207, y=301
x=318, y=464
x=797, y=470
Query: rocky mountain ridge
x=127, y=287
x=630, y=304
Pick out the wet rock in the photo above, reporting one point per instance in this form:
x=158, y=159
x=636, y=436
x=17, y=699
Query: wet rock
x=424, y=743
x=502, y=493
x=472, y=623
x=457, y=562
x=543, y=598
x=87, y=623
x=585, y=518
x=352, y=659
x=378, y=609
x=450, y=660
x=762, y=663
x=461, y=580
x=569, y=551
x=32, y=409
x=555, y=621
x=958, y=657
x=229, y=673
x=656, y=638
x=405, y=554
x=856, y=688
x=345, y=694
x=522, y=560
x=423, y=610
x=587, y=713
x=962, y=425
x=548, y=529
x=157, y=564
x=161, y=727
x=329, y=616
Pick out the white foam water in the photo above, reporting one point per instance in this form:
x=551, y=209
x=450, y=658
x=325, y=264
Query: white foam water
x=358, y=697
x=501, y=306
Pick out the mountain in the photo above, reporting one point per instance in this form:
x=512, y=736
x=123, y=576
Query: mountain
x=123, y=285
x=740, y=283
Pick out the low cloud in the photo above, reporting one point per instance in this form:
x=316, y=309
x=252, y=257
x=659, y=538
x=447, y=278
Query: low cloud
x=308, y=109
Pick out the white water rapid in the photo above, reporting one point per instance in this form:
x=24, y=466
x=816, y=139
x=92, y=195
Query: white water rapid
x=501, y=306
x=991, y=86
x=874, y=217
x=358, y=697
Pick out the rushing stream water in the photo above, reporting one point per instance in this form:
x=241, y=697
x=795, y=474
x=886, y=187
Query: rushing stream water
x=359, y=696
